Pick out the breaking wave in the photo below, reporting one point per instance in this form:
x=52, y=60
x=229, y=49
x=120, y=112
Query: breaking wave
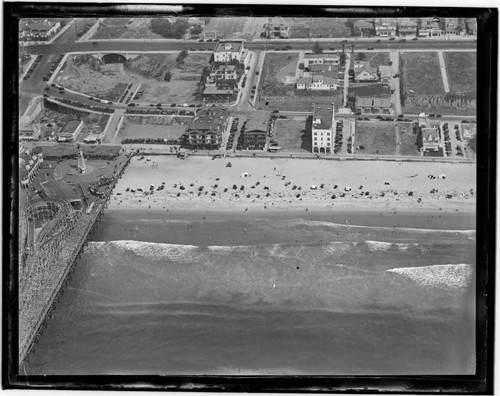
x=385, y=246
x=454, y=276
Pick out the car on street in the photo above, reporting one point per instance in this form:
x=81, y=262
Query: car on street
x=415, y=38
x=392, y=39
x=370, y=48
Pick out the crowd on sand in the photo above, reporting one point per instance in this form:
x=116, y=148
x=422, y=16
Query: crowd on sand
x=246, y=183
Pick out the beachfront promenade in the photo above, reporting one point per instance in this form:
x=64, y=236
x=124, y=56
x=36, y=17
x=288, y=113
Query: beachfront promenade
x=47, y=276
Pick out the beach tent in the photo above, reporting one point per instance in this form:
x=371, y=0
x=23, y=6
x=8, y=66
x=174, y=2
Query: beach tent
x=245, y=174
x=313, y=187
x=347, y=188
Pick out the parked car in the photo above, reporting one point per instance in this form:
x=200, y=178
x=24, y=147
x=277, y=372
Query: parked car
x=415, y=38
x=370, y=48
x=392, y=38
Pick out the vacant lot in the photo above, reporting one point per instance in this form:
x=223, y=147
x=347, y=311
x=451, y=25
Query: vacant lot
x=85, y=74
x=300, y=100
x=376, y=137
x=407, y=139
x=469, y=133
x=422, y=88
x=421, y=73
x=462, y=71
x=278, y=74
x=300, y=27
x=375, y=58
x=151, y=127
x=226, y=28
x=293, y=134
x=330, y=27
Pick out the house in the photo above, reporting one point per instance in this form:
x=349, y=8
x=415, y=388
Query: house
x=70, y=131
x=364, y=72
x=373, y=105
x=210, y=35
x=431, y=142
x=29, y=130
x=323, y=68
x=471, y=26
x=317, y=82
x=226, y=51
x=276, y=28
x=205, y=131
x=222, y=72
x=363, y=28
x=29, y=164
x=254, y=135
x=429, y=27
x=407, y=27
x=322, y=128
x=385, y=74
x=321, y=59
x=385, y=27
x=451, y=26
x=38, y=30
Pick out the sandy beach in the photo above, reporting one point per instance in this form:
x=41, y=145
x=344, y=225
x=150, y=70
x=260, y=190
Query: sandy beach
x=255, y=184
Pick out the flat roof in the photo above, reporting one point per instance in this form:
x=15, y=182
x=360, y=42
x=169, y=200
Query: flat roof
x=58, y=187
x=70, y=127
x=208, y=119
x=364, y=102
x=381, y=102
x=235, y=46
x=258, y=121
x=323, y=112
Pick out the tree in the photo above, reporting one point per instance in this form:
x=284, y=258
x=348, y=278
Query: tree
x=182, y=55
x=317, y=48
x=342, y=59
x=361, y=56
x=196, y=29
x=168, y=76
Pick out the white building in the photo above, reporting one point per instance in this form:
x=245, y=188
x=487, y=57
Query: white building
x=70, y=131
x=226, y=51
x=321, y=59
x=322, y=128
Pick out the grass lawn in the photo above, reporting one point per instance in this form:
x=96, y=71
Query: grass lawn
x=421, y=73
x=377, y=138
x=461, y=70
x=278, y=68
x=293, y=135
x=375, y=58
x=408, y=140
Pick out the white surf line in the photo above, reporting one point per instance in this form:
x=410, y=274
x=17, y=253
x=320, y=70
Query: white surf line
x=443, y=72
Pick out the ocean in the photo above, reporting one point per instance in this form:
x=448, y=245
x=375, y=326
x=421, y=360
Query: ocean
x=276, y=293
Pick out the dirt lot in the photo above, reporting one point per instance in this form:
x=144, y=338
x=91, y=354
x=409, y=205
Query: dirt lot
x=407, y=139
x=87, y=75
x=462, y=71
x=299, y=28
x=151, y=127
x=377, y=138
x=126, y=28
x=293, y=135
x=303, y=101
x=368, y=89
x=469, y=133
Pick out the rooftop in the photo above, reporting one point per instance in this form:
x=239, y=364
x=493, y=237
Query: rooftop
x=364, y=102
x=258, y=121
x=38, y=25
x=70, y=127
x=324, y=113
x=430, y=134
x=321, y=56
x=231, y=46
x=208, y=119
x=381, y=102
